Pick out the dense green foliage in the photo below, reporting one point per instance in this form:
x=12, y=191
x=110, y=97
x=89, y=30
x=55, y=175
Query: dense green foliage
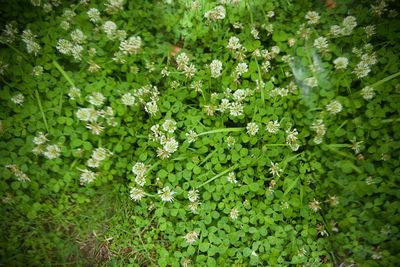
x=199, y=133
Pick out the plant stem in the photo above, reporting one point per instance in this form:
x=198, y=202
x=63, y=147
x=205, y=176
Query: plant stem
x=41, y=110
x=222, y=130
x=217, y=176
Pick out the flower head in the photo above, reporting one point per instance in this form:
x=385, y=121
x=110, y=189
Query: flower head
x=166, y=194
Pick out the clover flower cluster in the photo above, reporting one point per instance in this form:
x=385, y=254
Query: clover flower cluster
x=285, y=91
x=217, y=13
x=312, y=17
x=164, y=136
x=29, y=39
x=334, y=107
x=9, y=33
x=49, y=151
x=93, y=116
x=321, y=43
x=345, y=29
x=98, y=155
x=341, y=63
x=21, y=176
x=74, y=47
x=319, y=128
x=18, y=99
x=147, y=96
x=114, y=6
x=267, y=56
x=193, y=196
x=111, y=30
x=87, y=176
x=191, y=237
x=182, y=61
x=368, y=58
x=291, y=139
x=216, y=68
x=233, y=102
x=237, y=48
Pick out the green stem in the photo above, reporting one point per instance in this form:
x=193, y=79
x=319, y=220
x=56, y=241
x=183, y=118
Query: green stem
x=63, y=73
x=261, y=82
x=18, y=52
x=222, y=130
x=217, y=176
x=388, y=78
x=41, y=110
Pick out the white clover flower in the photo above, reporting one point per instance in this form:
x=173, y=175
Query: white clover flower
x=76, y=52
x=18, y=99
x=74, y=92
x=170, y=145
x=275, y=170
x=182, y=60
x=255, y=33
x=40, y=138
x=369, y=30
x=93, y=163
x=52, y=152
x=336, y=30
x=136, y=194
x=193, y=206
x=234, y=214
x=87, y=177
x=312, y=17
x=189, y=70
x=87, y=114
x=241, y=68
x=64, y=46
x=193, y=195
x=314, y=205
x=224, y=105
x=252, y=128
x=95, y=128
x=341, y=63
x=131, y=46
x=218, y=13
x=191, y=136
x=114, y=6
x=191, y=237
x=37, y=71
x=273, y=127
x=234, y=43
x=216, y=68
x=311, y=82
x=21, y=176
x=231, y=178
x=94, y=15
x=239, y=95
x=139, y=169
x=321, y=43
x=368, y=93
x=169, y=125
x=96, y=99
x=78, y=36
x=128, y=99
x=319, y=127
x=361, y=70
x=151, y=107
x=334, y=107
x=100, y=154
x=140, y=180
x=166, y=194
x=236, y=109
x=109, y=27
x=349, y=23
x=31, y=45
x=230, y=140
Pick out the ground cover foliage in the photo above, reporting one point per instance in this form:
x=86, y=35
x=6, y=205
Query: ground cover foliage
x=199, y=133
